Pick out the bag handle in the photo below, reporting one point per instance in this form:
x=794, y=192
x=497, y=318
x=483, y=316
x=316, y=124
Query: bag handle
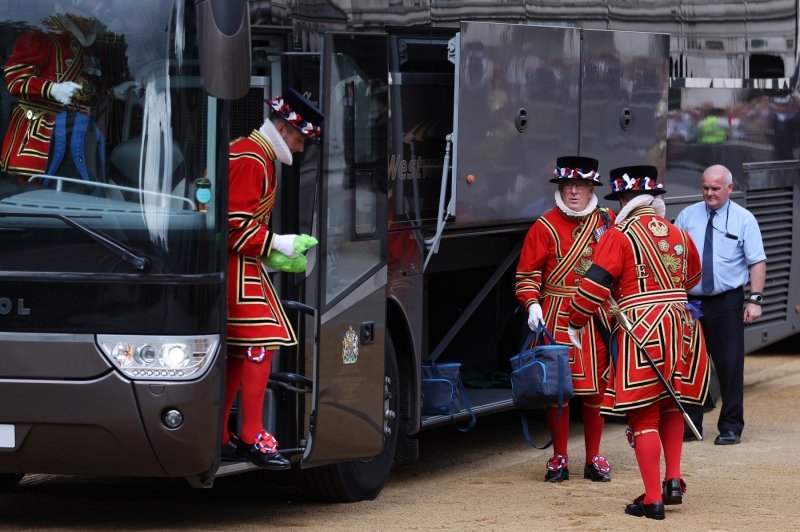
x=472, y=421
x=524, y=417
x=542, y=331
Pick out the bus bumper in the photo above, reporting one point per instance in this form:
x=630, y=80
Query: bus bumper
x=110, y=426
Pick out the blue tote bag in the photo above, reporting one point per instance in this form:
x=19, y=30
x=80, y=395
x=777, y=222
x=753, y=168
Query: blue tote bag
x=443, y=392
x=540, y=377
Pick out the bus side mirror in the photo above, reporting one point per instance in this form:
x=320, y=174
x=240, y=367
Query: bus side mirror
x=223, y=28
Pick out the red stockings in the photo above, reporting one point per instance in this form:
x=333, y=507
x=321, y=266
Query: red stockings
x=252, y=377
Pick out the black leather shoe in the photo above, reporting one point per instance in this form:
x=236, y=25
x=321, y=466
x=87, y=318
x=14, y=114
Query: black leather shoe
x=557, y=476
x=599, y=470
x=557, y=470
x=673, y=490
x=640, y=509
x=273, y=461
x=727, y=438
x=229, y=453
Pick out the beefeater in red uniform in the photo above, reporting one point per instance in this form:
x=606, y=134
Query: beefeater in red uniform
x=558, y=249
x=648, y=265
x=47, y=71
x=257, y=324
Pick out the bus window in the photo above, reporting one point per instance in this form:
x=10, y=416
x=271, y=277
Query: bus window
x=356, y=131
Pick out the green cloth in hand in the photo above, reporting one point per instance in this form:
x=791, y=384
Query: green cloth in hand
x=302, y=242
x=278, y=261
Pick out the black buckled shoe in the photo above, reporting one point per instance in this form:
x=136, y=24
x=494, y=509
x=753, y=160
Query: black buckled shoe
x=599, y=470
x=651, y=511
x=727, y=438
x=263, y=453
x=673, y=490
x=557, y=470
x=229, y=453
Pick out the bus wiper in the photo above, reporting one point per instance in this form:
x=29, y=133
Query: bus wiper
x=137, y=261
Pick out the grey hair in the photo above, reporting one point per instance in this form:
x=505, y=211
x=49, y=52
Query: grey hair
x=728, y=177
x=717, y=169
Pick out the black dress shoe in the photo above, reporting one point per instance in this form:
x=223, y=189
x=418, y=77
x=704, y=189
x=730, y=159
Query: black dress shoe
x=558, y=475
x=673, y=490
x=262, y=458
x=727, y=438
x=599, y=470
x=229, y=453
x=640, y=509
x=557, y=470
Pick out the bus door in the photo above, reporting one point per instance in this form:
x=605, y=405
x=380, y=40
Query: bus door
x=516, y=110
x=346, y=276
x=624, y=98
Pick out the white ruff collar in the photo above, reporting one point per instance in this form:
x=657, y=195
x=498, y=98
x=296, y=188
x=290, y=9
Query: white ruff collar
x=637, y=201
x=271, y=133
x=592, y=205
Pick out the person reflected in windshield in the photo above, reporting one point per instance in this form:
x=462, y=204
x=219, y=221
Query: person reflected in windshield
x=61, y=86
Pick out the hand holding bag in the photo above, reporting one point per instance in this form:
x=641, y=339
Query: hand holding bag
x=540, y=377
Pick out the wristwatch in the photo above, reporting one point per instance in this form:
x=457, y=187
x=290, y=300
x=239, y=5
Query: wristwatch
x=756, y=298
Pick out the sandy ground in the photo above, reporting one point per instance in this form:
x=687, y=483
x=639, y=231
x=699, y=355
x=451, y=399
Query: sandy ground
x=488, y=479
x=497, y=484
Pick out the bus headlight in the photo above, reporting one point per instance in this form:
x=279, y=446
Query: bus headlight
x=159, y=357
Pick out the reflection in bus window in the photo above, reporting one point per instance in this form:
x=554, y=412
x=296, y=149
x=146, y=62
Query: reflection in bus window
x=102, y=119
x=354, y=129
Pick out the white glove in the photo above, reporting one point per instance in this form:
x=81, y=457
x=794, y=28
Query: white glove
x=121, y=91
x=64, y=91
x=575, y=336
x=284, y=244
x=535, y=316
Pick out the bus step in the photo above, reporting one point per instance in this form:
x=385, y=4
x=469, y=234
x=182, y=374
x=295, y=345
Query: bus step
x=290, y=381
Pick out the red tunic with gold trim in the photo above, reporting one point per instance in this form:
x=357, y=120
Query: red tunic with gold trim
x=648, y=264
x=255, y=314
x=558, y=250
x=37, y=61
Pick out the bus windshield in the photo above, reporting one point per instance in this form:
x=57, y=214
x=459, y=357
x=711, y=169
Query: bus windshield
x=107, y=162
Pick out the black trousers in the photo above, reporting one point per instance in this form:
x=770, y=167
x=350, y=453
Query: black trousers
x=723, y=327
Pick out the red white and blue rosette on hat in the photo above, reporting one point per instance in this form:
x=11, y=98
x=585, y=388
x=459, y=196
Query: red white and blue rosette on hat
x=637, y=179
x=299, y=112
x=570, y=169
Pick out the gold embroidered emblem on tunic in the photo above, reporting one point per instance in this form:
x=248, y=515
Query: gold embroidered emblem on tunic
x=576, y=232
x=582, y=268
x=657, y=227
x=663, y=245
x=671, y=262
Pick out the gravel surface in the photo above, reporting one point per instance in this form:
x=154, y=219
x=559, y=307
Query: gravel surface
x=488, y=479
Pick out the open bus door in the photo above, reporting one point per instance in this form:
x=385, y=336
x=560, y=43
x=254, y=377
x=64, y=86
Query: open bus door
x=344, y=424
x=355, y=373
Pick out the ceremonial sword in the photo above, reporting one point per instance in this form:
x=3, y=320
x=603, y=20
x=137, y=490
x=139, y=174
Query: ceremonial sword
x=627, y=327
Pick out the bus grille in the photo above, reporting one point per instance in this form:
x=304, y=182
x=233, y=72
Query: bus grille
x=774, y=210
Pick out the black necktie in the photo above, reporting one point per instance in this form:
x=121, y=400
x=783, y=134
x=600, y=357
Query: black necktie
x=708, y=255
